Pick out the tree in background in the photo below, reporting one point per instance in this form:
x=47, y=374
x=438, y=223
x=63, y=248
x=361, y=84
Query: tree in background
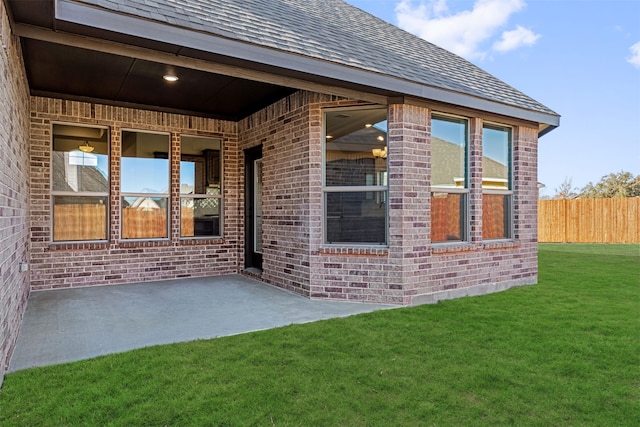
x=566, y=190
x=621, y=184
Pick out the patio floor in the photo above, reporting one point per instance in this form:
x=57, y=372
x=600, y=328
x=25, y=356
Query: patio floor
x=72, y=324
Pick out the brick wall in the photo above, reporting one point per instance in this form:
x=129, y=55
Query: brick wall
x=58, y=265
x=410, y=270
x=282, y=130
x=480, y=266
x=363, y=274
x=14, y=189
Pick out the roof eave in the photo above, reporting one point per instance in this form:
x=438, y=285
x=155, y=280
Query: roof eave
x=89, y=15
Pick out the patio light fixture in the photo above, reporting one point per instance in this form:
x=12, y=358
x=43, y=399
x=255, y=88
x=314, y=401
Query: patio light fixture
x=379, y=153
x=86, y=147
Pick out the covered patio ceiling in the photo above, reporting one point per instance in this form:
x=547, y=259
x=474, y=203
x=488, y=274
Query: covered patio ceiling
x=71, y=61
x=69, y=72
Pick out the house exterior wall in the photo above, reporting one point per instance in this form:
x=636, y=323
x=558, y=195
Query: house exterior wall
x=410, y=270
x=282, y=130
x=63, y=265
x=14, y=189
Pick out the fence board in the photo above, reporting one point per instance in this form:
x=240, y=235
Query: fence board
x=589, y=220
x=144, y=224
x=79, y=222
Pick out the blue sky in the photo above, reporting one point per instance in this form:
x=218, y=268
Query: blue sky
x=581, y=58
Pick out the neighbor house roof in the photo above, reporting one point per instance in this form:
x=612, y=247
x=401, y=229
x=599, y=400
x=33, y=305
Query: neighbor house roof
x=326, y=39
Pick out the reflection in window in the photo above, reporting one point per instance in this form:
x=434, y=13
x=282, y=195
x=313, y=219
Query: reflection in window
x=79, y=182
x=496, y=182
x=355, y=183
x=449, y=178
x=200, y=187
x=144, y=185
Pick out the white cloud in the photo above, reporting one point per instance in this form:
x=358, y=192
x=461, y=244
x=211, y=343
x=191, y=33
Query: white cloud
x=634, y=59
x=516, y=38
x=463, y=32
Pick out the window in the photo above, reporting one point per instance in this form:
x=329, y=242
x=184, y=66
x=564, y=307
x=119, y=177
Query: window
x=355, y=182
x=449, y=187
x=144, y=185
x=200, y=187
x=496, y=182
x=79, y=182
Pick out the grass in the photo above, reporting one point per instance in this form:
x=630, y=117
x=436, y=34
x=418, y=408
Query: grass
x=564, y=352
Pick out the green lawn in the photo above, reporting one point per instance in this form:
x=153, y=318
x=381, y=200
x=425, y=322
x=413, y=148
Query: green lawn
x=564, y=352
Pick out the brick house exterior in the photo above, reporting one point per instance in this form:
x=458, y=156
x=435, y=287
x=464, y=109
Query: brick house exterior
x=14, y=189
x=404, y=267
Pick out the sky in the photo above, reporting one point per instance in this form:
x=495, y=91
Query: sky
x=581, y=58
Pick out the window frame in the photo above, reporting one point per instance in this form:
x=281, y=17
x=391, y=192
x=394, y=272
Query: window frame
x=219, y=197
x=509, y=193
x=166, y=196
x=378, y=189
x=53, y=193
x=465, y=221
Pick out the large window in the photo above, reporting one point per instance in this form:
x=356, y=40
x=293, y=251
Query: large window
x=200, y=187
x=449, y=187
x=79, y=182
x=355, y=185
x=497, y=192
x=144, y=185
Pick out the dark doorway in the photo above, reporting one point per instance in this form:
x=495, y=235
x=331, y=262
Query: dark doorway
x=253, y=208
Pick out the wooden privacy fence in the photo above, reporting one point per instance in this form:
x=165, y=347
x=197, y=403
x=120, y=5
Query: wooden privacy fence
x=589, y=220
x=89, y=222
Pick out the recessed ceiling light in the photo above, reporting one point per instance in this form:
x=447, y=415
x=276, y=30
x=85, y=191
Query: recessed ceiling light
x=368, y=125
x=380, y=138
x=329, y=136
x=170, y=78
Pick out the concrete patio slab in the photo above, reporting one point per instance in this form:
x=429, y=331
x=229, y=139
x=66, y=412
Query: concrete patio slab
x=73, y=324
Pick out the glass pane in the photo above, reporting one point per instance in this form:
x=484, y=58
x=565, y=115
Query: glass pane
x=79, y=218
x=448, y=152
x=145, y=164
x=496, y=155
x=358, y=217
x=144, y=217
x=356, y=147
x=257, y=244
x=200, y=165
x=447, y=217
x=199, y=217
x=495, y=216
x=80, y=159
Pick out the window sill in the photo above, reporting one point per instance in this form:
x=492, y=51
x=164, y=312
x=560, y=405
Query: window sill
x=355, y=251
x=449, y=248
x=500, y=244
x=205, y=240
x=137, y=243
x=79, y=246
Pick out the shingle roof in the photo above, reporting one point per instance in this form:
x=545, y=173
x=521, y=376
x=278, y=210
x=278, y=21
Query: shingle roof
x=334, y=31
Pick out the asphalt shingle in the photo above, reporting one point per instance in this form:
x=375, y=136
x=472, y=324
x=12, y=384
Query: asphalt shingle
x=330, y=30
